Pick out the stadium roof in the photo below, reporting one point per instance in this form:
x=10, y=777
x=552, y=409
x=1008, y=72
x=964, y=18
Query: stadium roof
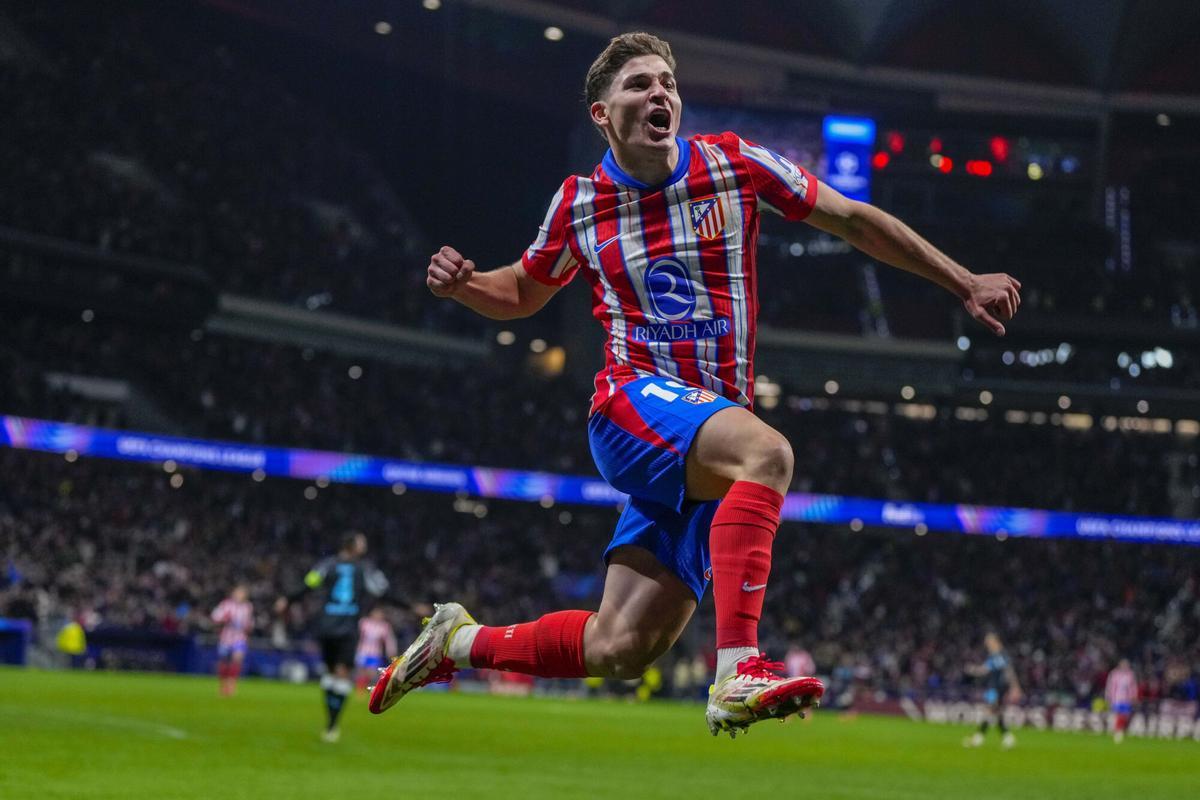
x=1051, y=57
x=1104, y=45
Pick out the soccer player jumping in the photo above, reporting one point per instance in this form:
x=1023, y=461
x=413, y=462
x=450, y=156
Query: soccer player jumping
x=665, y=230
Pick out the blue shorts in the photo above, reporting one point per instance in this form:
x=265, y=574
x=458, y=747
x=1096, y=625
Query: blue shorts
x=226, y=651
x=369, y=662
x=1122, y=708
x=640, y=439
x=991, y=696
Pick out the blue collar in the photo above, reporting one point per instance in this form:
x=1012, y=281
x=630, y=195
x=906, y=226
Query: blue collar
x=620, y=176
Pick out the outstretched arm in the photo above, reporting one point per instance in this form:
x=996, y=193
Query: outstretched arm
x=988, y=298
x=505, y=293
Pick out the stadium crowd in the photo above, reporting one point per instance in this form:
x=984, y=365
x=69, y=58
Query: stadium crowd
x=136, y=142
x=225, y=388
x=112, y=544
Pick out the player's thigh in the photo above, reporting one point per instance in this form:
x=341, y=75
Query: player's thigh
x=734, y=445
x=641, y=435
x=645, y=606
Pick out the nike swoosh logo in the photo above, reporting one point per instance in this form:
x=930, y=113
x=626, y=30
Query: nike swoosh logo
x=746, y=587
x=601, y=245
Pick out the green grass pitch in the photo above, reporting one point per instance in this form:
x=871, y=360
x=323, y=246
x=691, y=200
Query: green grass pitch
x=100, y=735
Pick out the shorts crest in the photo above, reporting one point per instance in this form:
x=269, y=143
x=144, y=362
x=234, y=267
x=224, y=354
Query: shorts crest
x=698, y=396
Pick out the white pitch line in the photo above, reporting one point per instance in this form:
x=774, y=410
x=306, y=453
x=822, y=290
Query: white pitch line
x=155, y=728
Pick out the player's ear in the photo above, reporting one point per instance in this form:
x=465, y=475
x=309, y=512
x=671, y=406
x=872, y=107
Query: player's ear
x=599, y=112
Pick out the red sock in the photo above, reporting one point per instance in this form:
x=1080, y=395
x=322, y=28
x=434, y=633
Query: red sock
x=740, y=544
x=235, y=669
x=551, y=647
x=222, y=670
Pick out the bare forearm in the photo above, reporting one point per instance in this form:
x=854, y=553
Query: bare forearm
x=495, y=294
x=883, y=237
x=504, y=293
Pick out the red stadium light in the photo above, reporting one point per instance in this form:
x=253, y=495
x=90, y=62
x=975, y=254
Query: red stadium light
x=979, y=168
x=895, y=141
x=946, y=164
x=880, y=160
x=935, y=145
x=999, y=147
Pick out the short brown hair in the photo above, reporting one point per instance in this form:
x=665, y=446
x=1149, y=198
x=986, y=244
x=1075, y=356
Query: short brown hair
x=621, y=49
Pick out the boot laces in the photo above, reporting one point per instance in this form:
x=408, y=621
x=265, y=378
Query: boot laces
x=759, y=667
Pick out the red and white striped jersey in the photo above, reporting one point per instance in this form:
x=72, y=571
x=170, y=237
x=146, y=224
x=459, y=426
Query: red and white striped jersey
x=235, y=618
x=672, y=267
x=375, y=638
x=1121, y=688
x=799, y=662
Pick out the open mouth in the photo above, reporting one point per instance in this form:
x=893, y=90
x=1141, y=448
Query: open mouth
x=660, y=121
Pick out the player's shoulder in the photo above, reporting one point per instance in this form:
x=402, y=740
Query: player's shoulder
x=571, y=182
x=725, y=148
x=565, y=194
x=728, y=141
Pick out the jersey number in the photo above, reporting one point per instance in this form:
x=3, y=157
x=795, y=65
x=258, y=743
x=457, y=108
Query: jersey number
x=343, y=591
x=654, y=390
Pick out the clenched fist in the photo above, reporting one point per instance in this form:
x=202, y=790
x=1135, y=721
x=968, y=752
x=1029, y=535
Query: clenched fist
x=992, y=298
x=448, y=272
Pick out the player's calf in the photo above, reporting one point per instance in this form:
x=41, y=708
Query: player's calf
x=622, y=654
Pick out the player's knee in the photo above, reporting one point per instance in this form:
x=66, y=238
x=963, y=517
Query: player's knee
x=770, y=461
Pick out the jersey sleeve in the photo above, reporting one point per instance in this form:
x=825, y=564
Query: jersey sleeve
x=552, y=259
x=316, y=576
x=374, y=580
x=782, y=187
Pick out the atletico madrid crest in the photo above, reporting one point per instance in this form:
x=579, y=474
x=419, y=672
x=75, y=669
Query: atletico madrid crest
x=708, y=216
x=699, y=397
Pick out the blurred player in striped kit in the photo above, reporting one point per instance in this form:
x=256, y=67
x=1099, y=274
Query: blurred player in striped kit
x=376, y=645
x=235, y=615
x=665, y=232
x=346, y=583
x=1121, y=692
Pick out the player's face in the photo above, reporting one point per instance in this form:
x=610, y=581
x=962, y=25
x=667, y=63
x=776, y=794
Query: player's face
x=240, y=594
x=992, y=643
x=642, y=107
